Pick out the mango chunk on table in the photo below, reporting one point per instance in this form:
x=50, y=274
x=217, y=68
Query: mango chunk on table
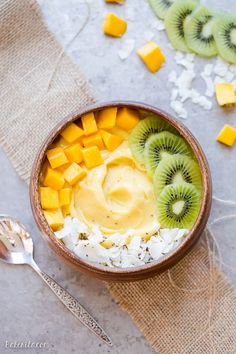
x=65, y=196
x=127, y=118
x=115, y=1
x=56, y=157
x=54, y=218
x=73, y=153
x=225, y=94
x=227, y=135
x=72, y=133
x=49, y=198
x=114, y=26
x=107, y=118
x=53, y=179
x=152, y=56
x=89, y=123
x=93, y=140
x=111, y=141
x=74, y=173
x=92, y=156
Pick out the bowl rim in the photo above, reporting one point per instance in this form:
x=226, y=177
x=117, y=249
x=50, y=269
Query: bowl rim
x=166, y=261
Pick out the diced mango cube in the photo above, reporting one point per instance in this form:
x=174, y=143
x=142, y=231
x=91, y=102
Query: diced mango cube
x=89, y=123
x=72, y=133
x=62, y=143
x=74, y=173
x=120, y=132
x=73, y=153
x=107, y=118
x=111, y=141
x=115, y=1
x=107, y=243
x=56, y=157
x=92, y=156
x=225, y=94
x=53, y=179
x=54, y=219
x=65, y=210
x=65, y=196
x=49, y=198
x=127, y=118
x=152, y=56
x=93, y=140
x=114, y=25
x=227, y=135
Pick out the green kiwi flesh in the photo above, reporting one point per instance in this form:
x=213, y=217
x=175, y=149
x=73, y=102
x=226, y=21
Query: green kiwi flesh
x=224, y=32
x=161, y=145
x=160, y=7
x=198, y=32
x=143, y=130
x=174, y=22
x=178, y=206
x=175, y=169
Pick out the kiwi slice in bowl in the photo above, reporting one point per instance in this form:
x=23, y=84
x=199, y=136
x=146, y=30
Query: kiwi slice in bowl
x=198, y=32
x=174, y=22
x=175, y=169
x=160, y=7
x=178, y=206
x=143, y=130
x=161, y=145
x=224, y=32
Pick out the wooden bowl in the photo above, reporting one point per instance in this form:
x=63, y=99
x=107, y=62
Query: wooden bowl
x=122, y=274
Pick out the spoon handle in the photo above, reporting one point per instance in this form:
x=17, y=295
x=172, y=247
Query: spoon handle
x=73, y=305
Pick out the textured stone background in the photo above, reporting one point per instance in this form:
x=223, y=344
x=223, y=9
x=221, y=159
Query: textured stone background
x=29, y=311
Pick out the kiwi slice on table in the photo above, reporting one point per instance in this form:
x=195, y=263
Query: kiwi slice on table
x=178, y=206
x=175, y=169
x=161, y=145
x=224, y=32
x=174, y=22
x=198, y=32
x=160, y=7
x=143, y=130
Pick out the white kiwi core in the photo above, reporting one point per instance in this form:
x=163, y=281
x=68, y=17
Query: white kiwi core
x=178, y=207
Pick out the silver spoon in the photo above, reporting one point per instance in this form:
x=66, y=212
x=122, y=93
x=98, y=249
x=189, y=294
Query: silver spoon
x=16, y=247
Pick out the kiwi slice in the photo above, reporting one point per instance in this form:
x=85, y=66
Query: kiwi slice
x=178, y=206
x=224, y=32
x=198, y=32
x=174, y=22
x=175, y=169
x=161, y=145
x=146, y=127
x=160, y=7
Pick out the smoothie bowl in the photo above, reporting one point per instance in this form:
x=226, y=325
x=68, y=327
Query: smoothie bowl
x=121, y=190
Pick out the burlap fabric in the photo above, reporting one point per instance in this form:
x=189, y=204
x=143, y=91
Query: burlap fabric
x=191, y=309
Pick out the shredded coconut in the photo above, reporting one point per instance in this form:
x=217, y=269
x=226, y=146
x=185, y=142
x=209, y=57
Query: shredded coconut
x=127, y=46
x=128, y=249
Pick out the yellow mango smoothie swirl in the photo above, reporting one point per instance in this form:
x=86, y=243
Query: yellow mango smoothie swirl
x=117, y=196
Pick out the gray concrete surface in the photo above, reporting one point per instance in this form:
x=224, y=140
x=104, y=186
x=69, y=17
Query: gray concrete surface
x=28, y=310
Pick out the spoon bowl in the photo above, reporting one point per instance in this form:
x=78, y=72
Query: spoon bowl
x=16, y=247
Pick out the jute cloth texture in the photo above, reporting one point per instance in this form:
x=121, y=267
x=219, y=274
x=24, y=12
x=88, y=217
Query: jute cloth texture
x=190, y=309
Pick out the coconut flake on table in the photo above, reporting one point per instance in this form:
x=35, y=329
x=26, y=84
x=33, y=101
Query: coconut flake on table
x=129, y=13
x=148, y=35
x=157, y=25
x=210, y=88
x=179, y=109
x=127, y=46
x=208, y=68
x=221, y=67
